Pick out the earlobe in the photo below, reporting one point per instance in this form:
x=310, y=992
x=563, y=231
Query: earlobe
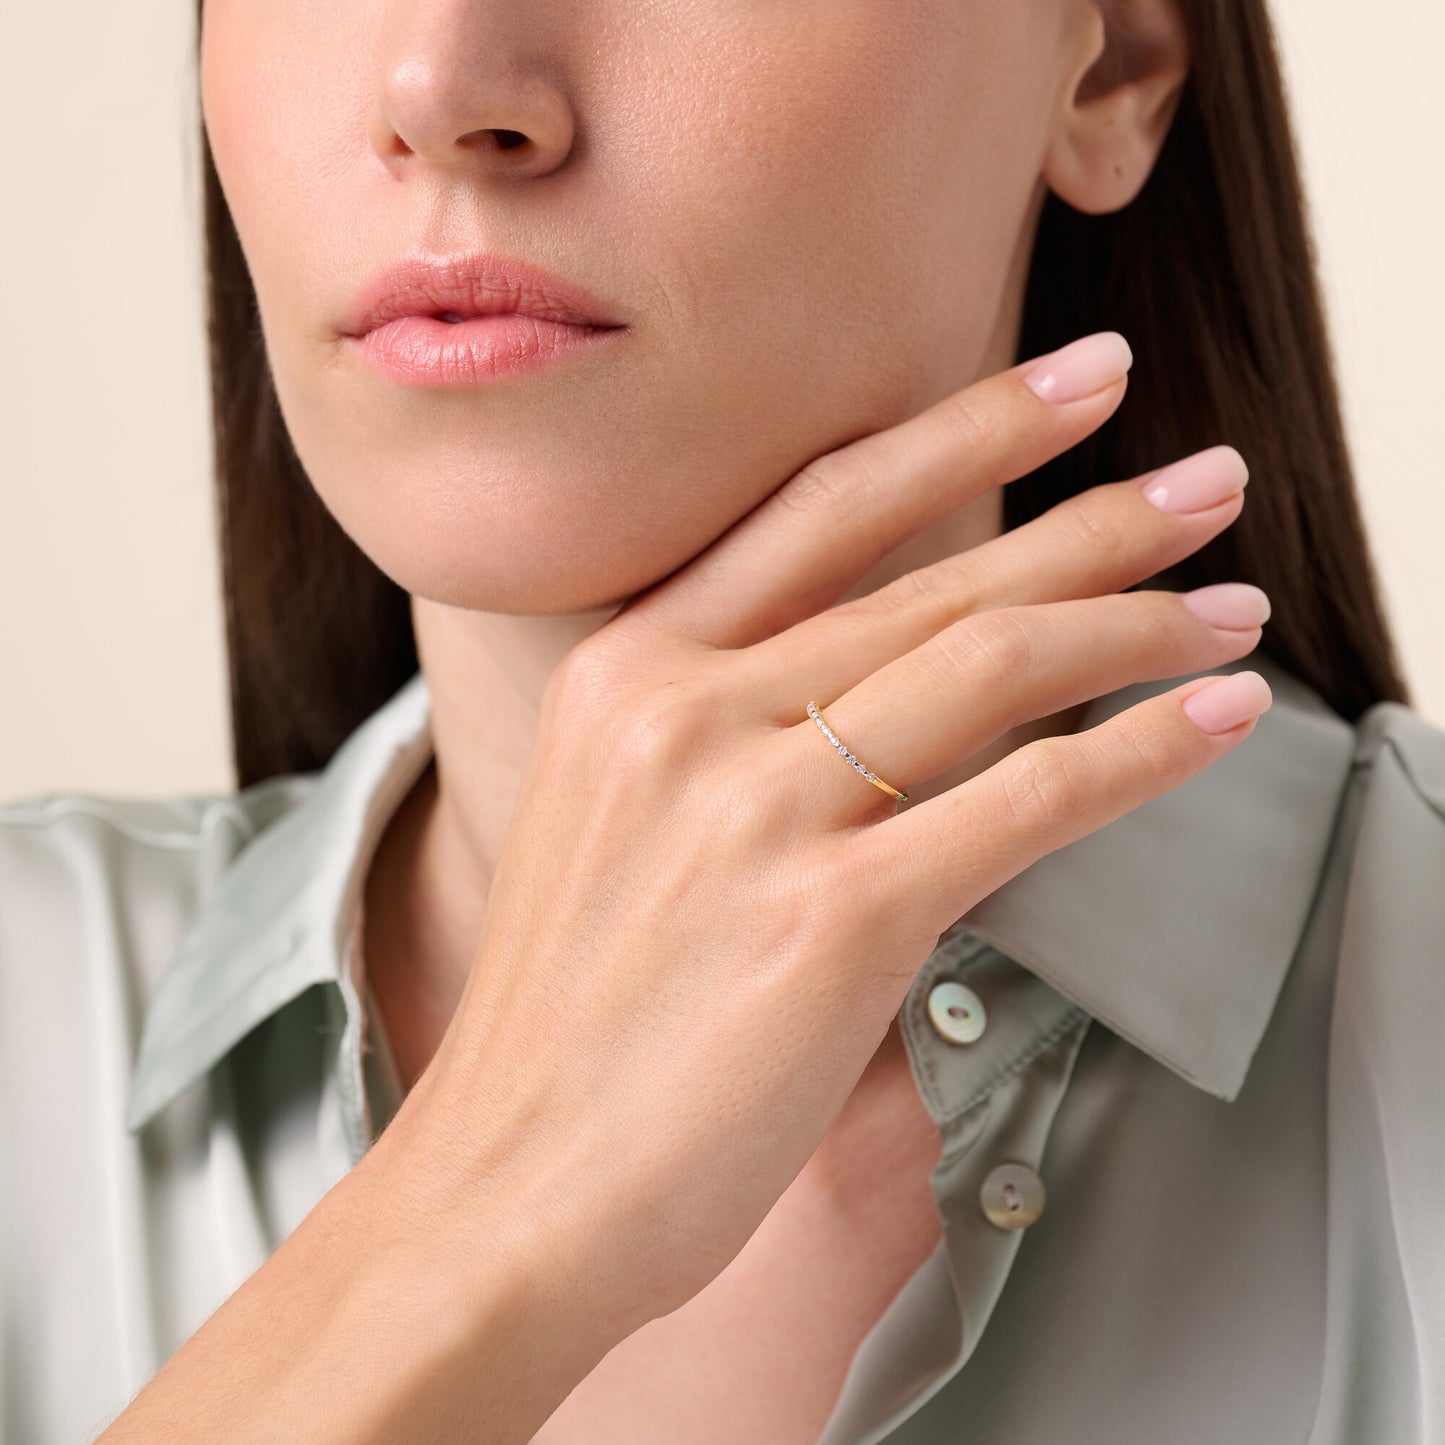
x=1118, y=104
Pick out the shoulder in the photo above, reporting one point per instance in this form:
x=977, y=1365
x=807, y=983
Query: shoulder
x=88, y=877
x=1393, y=738
x=1398, y=835
x=1386, y=903
x=179, y=821
x=1392, y=834
x=66, y=825
x=97, y=893
x=1386, y=1076
x=72, y=834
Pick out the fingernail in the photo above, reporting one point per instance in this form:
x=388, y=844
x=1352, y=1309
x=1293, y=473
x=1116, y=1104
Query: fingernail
x=1228, y=702
x=1081, y=368
x=1229, y=604
x=1196, y=482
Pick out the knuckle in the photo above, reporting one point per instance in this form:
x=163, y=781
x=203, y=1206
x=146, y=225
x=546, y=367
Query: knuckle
x=934, y=597
x=974, y=419
x=1155, y=749
x=929, y=600
x=832, y=484
x=901, y=596
x=1041, y=786
x=580, y=682
x=660, y=726
x=645, y=736
x=993, y=647
x=1096, y=524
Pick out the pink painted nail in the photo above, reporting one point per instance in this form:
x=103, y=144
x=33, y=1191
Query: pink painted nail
x=1228, y=702
x=1195, y=482
x=1234, y=605
x=1081, y=368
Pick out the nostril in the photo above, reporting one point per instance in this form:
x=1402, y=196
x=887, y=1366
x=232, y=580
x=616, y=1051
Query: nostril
x=507, y=139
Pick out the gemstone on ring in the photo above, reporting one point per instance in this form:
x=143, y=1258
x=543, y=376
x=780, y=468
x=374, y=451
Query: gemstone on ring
x=849, y=758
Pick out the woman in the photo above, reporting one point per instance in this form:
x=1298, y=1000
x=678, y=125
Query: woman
x=559, y=1042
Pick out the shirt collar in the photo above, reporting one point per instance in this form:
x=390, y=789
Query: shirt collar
x=1174, y=925
x=280, y=917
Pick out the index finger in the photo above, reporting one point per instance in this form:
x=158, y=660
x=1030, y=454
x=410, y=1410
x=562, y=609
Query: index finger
x=806, y=544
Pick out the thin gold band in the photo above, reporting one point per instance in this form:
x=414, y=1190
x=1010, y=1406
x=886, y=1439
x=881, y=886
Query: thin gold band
x=849, y=758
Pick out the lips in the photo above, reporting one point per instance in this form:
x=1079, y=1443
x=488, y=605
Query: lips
x=459, y=288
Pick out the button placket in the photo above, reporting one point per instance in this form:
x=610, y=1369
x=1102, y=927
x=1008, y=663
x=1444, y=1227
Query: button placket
x=966, y=1052
x=995, y=1100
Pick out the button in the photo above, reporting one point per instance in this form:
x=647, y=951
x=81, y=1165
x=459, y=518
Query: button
x=956, y=1012
x=1012, y=1196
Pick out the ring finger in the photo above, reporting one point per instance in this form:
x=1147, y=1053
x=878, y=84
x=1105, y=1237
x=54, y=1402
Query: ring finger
x=925, y=712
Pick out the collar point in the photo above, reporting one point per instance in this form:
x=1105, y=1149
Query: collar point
x=1224, y=1085
x=141, y=1107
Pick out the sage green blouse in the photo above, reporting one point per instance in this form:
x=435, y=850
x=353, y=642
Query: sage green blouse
x=1189, y=1072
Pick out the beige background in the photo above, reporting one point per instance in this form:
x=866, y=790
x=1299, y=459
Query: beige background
x=111, y=628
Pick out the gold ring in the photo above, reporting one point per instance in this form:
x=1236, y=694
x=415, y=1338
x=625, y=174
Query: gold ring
x=848, y=757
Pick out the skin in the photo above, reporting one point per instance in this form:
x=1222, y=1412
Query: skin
x=815, y=217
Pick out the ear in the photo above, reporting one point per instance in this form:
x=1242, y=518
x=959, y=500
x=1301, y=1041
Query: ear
x=1118, y=99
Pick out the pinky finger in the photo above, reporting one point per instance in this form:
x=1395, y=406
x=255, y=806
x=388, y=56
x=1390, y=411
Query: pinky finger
x=972, y=839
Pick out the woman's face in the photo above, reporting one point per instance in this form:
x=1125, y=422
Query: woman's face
x=812, y=214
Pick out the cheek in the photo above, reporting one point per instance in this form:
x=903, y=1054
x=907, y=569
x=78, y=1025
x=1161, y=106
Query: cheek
x=849, y=181
x=239, y=64
x=248, y=137
x=285, y=128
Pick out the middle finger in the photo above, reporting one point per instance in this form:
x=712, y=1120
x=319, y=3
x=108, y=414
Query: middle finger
x=1103, y=540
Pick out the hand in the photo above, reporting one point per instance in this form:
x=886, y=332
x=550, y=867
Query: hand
x=703, y=920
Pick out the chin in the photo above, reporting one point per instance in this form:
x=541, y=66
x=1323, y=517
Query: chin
x=572, y=571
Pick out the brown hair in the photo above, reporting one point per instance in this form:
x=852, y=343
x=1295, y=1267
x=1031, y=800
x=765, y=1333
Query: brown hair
x=1209, y=272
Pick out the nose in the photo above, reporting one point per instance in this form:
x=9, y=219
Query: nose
x=464, y=89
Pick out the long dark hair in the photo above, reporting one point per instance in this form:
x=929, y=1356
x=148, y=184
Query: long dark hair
x=1209, y=272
